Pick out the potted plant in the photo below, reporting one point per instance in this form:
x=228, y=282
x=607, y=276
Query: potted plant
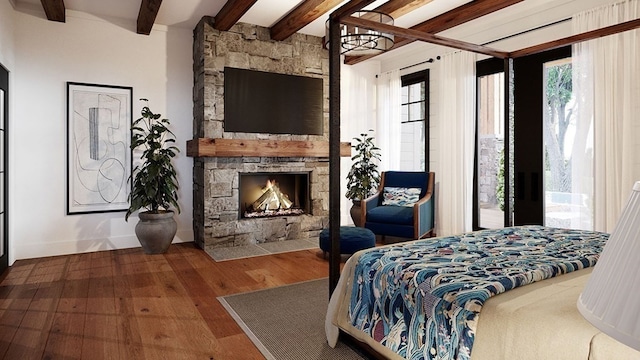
x=363, y=177
x=154, y=182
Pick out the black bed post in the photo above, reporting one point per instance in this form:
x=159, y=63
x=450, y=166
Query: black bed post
x=334, y=151
x=508, y=141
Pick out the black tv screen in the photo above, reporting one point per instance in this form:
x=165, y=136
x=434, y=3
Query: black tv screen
x=262, y=102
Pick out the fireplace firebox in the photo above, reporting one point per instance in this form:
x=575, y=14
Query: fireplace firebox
x=273, y=194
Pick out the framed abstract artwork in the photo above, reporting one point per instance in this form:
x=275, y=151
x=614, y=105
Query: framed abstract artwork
x=98, y=153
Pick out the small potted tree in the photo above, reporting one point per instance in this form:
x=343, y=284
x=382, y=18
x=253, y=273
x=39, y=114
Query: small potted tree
x=363, y=177
x=154, y=182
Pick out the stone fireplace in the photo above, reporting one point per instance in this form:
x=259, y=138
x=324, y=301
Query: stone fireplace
x=225, y=162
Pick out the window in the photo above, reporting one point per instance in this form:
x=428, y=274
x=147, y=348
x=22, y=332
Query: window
x=414, y=127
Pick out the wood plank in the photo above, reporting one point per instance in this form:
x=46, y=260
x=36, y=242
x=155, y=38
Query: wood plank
x=574, y=39
x=303, y=14
x=147, y=16
x=66, y=336
x=230, y=13
x=419, y=35
x=207, y=147
x=75, y=319
x=448, y=20
x=129, y=340
x=54, y=9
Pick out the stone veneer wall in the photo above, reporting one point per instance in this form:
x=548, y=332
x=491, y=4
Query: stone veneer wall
x=215, y=188
x=489, y=149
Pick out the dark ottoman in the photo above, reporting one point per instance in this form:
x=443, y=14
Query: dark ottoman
x=352, y=239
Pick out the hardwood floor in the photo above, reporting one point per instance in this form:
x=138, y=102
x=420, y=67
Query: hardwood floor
x=124, y=304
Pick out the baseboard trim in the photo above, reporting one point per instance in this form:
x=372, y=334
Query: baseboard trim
x=28, y=251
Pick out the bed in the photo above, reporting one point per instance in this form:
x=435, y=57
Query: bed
x=493, y=294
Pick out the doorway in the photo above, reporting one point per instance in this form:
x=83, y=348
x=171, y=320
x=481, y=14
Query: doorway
x=551, y=150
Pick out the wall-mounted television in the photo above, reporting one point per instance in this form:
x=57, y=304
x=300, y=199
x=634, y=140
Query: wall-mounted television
x=263, y=102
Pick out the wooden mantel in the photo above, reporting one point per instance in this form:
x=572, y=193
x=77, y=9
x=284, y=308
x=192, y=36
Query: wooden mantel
x=207, y=147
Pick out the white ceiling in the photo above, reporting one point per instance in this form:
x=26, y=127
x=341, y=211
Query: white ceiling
x=187, y=13
x=523, y=16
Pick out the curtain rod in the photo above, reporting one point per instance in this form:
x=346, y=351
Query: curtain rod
x=496, y=40
x=430, y=60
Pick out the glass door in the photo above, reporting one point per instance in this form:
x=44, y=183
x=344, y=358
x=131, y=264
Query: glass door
x=568, y=153
x=553, y=153
x=490, y=172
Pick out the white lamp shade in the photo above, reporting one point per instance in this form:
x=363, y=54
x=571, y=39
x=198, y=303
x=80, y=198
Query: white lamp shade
x=611, y=299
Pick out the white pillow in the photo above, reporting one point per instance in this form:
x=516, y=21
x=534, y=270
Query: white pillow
x=400, y=196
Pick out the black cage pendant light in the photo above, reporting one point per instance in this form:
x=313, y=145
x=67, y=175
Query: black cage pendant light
x=355, y=40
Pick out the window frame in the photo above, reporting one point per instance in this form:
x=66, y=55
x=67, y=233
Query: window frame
x=412, y=79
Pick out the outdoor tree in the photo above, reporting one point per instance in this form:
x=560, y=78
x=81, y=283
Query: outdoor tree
x=557, y=118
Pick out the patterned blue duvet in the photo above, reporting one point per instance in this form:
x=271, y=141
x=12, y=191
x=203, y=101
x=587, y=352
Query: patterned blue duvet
x=423, y=299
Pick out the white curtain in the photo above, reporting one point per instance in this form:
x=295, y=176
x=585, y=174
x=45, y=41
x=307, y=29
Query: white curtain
x=388, y=120
x=456, y=139
x=607, y=83
x=357, y=90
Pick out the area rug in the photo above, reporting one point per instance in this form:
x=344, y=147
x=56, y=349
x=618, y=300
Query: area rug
x=287, y=322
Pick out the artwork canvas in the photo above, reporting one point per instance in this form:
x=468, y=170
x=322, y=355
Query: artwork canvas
x=98, y=153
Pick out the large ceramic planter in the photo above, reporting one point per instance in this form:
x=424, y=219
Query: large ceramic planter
x=156, y=231
x=356, y=213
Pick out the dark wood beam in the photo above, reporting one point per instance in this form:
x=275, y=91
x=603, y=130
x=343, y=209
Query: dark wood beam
x=54, y=9
x=300, y=17
x=147, y=16
x=231, y=12
x=398, y=8
x=570, y=40
x=462, y=14
x=419, y=35
x=458, y=16
x=334, y=150
x=349, y=8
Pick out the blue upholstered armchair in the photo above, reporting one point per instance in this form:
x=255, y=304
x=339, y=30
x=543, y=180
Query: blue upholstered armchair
x=404, y=205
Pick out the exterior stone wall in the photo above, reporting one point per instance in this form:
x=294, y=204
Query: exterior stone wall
x=489, y=148
x=215, y=190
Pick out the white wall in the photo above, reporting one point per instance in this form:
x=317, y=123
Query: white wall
x=6, y=35
x=90, y=50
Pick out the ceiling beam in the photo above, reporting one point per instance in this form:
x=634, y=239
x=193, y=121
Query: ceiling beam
x=570, y=40
x=231, y=12
x=349, y=8
x=419, y=35
x=400, y=7
x=301, y=16
x=54, y=9
x=458, y=16
x=462, y=14
x=147, y=16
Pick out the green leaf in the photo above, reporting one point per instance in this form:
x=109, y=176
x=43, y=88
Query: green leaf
x=154, y=182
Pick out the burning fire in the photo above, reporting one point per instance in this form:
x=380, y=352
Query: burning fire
x=272, y=202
